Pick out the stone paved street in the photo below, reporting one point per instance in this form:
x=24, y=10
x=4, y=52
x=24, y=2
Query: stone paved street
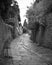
x=24, y=52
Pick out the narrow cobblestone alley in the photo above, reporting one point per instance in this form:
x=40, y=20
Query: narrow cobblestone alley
x=25, y=32
x=24, y=52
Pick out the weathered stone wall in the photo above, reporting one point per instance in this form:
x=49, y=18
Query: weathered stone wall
x=14, y=23
x=5, y=34
x=48, y=32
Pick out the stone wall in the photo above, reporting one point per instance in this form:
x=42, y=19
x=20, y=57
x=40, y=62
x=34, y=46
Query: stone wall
x=15, y=24
x=5, y=35
x=48, y=32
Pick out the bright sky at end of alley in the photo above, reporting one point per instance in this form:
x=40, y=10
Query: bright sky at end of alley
x=23, y=7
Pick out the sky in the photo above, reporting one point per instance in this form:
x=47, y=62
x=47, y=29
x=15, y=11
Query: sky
x=23, y=8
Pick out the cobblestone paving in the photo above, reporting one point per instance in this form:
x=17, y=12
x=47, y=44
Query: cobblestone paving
x=24, y=52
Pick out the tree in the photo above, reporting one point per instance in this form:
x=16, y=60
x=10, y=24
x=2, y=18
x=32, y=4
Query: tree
x=38, y=10
x=4, y=5
x=7, y=11
x=10, y=14
x=14, y=17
